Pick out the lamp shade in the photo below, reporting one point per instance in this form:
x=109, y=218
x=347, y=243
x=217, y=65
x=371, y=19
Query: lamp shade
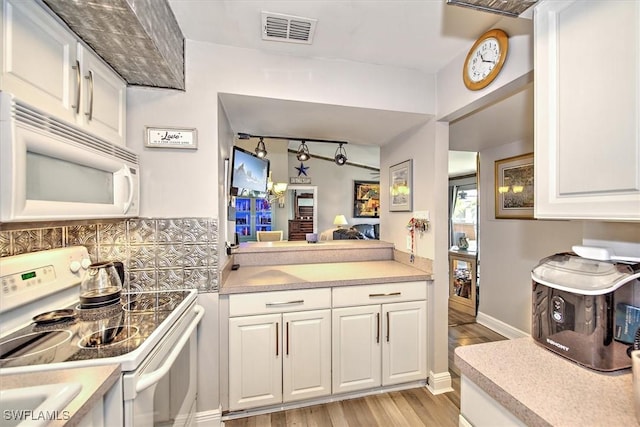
x=340, y=220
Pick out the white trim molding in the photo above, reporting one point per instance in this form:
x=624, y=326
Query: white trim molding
x=500, y=327
x=439, y=382
x=211, y=418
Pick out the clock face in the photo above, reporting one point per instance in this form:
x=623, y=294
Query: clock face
x=483, y=60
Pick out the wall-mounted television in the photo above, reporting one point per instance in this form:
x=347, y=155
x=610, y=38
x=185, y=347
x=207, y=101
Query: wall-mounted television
x=249, y=174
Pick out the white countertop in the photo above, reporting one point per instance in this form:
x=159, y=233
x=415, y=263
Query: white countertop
x=303, y=276
x=96, y=382
x=542, y=388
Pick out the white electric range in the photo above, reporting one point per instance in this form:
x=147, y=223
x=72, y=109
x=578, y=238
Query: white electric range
x=150, y=334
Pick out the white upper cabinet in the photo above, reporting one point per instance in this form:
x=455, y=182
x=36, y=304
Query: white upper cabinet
x=587, y=113
x=44, y=65
x=103, y=107
x=37, y=59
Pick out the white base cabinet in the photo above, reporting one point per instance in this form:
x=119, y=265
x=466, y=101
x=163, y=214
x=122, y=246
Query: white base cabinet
x=587, y=118
x=478, y=409
x=288, y=346
x=378, y=344
x=46, y=66
x=281, y=357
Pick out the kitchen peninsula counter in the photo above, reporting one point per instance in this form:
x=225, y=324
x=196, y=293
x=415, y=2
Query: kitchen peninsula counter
x=318, y=275
x=541, y=388
x=95, y=381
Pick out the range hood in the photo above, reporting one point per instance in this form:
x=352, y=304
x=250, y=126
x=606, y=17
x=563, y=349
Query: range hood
x=140, y=39
x=511, y=8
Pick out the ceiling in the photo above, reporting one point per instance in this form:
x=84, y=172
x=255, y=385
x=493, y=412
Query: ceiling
x=420, y=35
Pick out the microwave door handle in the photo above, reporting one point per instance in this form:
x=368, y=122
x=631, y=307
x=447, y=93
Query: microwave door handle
x=127, y=175
x=147, y=380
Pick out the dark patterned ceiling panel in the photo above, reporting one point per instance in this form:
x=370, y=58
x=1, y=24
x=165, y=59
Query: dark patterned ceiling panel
x=503, y=7
x=140, y=39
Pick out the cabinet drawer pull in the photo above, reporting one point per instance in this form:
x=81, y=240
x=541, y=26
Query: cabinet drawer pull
x=275, y=304
x=378, y=328
x=287, y=338
x=389, y=294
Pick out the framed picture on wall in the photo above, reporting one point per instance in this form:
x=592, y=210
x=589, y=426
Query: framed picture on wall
x=514, y=192
x=400, y=187
x=366, y=199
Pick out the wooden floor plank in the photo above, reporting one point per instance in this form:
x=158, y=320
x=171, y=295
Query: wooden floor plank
x=408, y=412
x=336, y=414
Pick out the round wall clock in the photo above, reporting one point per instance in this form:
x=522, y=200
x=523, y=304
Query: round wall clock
x=485, y=59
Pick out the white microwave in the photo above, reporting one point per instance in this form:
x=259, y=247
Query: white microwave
x=51, y=170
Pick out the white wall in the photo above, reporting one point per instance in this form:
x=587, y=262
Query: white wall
x=179, y=183
x=510, y=248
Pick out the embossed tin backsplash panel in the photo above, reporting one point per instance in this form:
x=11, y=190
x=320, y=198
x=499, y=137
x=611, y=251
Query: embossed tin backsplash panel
x=158, y=253
x=140, y=39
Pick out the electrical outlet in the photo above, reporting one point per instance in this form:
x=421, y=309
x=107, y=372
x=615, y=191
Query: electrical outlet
x=409, y=246
x=424, y=215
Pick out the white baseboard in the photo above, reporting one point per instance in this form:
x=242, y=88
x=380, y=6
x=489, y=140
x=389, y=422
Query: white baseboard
x=439, y=382
x=209, y=418
x=462, y=422
x=500, y=327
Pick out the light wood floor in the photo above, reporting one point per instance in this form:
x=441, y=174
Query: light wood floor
x=413, y=407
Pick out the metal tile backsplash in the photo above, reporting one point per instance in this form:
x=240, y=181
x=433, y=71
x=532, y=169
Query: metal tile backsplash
x=158, y=253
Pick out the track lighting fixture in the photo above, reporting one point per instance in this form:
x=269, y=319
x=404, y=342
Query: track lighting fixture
x=341, y=156
x=261, y=151
x=303, y=152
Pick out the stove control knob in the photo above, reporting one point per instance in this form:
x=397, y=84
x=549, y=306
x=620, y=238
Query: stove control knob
x=74, y=266
x=86, y=262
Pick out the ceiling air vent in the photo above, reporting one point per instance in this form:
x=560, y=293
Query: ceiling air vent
x=287, y=28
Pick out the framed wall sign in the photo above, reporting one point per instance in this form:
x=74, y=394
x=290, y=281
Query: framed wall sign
x=170, y=137
x=514, y=191
x=400, y=187
x=366, y=199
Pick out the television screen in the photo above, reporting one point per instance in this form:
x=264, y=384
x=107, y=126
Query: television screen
x=249, y=173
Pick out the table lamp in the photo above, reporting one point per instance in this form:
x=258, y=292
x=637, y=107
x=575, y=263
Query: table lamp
x=339, y=221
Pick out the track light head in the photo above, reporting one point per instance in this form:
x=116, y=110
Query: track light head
x=303, y=152
x=261, y=151
x=341, y=156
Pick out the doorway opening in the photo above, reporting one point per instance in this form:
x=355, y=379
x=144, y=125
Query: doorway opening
x=464, y=283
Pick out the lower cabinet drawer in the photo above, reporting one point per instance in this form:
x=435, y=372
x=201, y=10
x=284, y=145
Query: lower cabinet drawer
x=279, y=301
x=379, y=294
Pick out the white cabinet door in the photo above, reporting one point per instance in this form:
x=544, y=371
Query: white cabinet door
x=306, y=359
x=404, y=348
x=255, y=361
x=37, y=59
x=356, y=336
x=587, y=128
x=104, y=98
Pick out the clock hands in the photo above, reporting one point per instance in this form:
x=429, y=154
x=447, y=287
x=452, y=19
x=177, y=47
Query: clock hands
x=484, y=60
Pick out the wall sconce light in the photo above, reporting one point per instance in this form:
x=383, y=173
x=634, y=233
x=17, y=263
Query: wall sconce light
x=340, y=221
x=341, y=156
x=303, y=152
x=261, y=151
x=510, y=188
